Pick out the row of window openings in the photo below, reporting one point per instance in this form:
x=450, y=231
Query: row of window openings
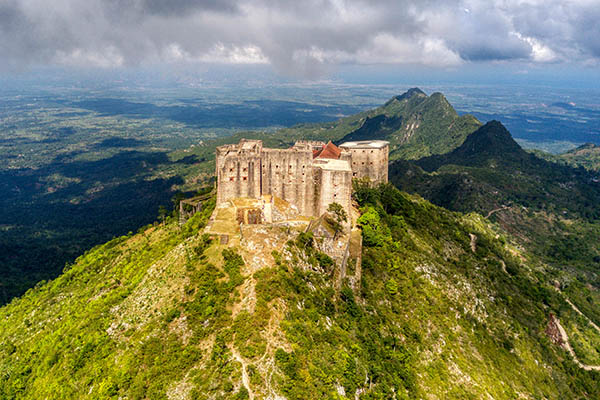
x=334, y=195
x=277, y=166
x=245, y=178
x=264, y=173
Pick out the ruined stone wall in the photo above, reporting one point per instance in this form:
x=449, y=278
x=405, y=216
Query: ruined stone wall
x=370, y=162
x=238, y=170
x=309, y=184
x=288, y=174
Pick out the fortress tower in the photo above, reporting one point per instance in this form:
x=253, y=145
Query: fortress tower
x=309, y=176
x=239, y=170
x=369, y=159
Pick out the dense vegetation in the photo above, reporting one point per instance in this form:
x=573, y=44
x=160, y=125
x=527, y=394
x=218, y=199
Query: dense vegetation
x=447, y=307
x=416, y=125
x=551, y=209
x=491, y=170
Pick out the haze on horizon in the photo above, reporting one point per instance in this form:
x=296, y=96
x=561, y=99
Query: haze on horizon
x=309, y=40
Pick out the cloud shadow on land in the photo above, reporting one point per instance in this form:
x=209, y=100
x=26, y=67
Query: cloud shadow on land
x=52, y=215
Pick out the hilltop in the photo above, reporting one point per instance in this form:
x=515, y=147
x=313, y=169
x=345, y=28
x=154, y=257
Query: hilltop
x=443, y=305
x=79, y=186
x=416, y=125
x=448, y=307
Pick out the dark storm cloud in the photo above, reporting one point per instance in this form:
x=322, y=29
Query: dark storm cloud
x=181, y=7
x=305, y=38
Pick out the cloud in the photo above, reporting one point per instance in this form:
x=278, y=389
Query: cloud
x=182, y=7
x=306, y=39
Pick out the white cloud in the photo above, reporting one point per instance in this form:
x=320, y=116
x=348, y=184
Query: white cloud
x=110, y=57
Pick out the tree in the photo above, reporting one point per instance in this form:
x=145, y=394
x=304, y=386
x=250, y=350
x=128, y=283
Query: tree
x=162, y=213
x=339, y=217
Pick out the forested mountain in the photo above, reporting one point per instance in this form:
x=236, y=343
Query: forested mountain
x=448, y=307
x=490, y=170
x=551, y=209
x=416, y=125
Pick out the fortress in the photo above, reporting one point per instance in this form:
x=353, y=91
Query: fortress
x=309, y=176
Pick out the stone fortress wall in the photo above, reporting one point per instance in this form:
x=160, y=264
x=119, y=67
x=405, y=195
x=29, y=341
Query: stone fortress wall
x=370, y=159
x=309, y=176
x=288, y=174
x=239, y=170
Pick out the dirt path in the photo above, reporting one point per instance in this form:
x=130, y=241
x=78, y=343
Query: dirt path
x=473, y=242
x=245, y=377
x=596, y=327
x=567, y=346
x=496, y=210
x=565, y=337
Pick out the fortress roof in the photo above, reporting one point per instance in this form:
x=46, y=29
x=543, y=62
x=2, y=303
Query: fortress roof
x=330, y=164
x=365, y=144
x=330, y=150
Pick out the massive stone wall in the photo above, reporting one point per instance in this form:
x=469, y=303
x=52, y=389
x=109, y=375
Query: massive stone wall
x=369, y=159
x=333, y=183
x=288, y=174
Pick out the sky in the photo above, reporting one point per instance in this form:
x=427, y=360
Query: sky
x=309, y=39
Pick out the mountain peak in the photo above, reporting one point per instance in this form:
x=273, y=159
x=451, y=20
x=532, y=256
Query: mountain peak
x=415, y=124
x=491, y=141
x=492, y=137
x=410, y=93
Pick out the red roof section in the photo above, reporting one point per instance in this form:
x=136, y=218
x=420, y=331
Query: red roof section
x=330, y=150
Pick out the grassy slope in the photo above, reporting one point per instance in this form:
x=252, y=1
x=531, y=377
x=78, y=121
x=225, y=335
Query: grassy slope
x=155, y=315
x=550, y=208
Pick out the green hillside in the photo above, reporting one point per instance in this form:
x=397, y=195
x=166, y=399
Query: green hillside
x=550, y=209
x=416, y=125
x=448, y=307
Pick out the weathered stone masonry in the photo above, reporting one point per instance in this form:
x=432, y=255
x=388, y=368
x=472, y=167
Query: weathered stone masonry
x=369, y=159
x=309, y=175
